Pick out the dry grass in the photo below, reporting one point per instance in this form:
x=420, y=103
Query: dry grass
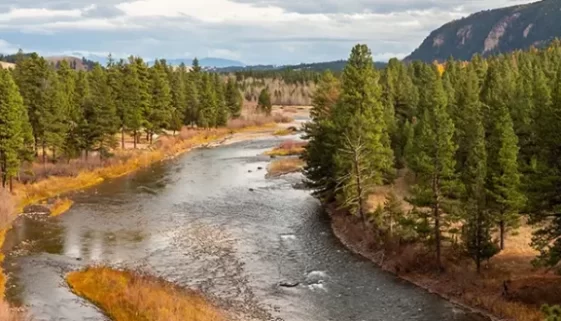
x=285, y=166
x=124, y=162
x=60, y=206
x=129, y=296
x=528, y=288
x=283, y=132
x=288, y=148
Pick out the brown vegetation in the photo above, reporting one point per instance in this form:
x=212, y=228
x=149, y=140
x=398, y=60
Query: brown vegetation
x=297, y=94
x=285, y=166
x=508, y=287
x=288, y=148
x=130, y=296
x=60, y=206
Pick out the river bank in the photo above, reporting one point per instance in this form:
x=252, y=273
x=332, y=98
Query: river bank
x=482, y=294
x=126, y=162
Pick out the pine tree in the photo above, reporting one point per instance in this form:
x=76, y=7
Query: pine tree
x=12, y=139
x=320, y=135
x=264, y=103
x=207, y=110
x=196, y=68
x=178, y=97
x=222, y=112
x=504, y=179
x=55, y=115
x=159, y=115
x=192, y=93
x=234, y=99
x=473, y=166
x=433, y=158
x=131, y=108
x=545, y=181
x=30, y=75
x=366, y=158
x=100, y=113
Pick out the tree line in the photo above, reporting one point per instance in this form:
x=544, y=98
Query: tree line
x=61, y=113
x=480, y=137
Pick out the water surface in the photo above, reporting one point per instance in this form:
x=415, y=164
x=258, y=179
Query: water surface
x=195, y=222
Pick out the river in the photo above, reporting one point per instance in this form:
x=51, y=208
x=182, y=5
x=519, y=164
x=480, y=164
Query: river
x=194, y=221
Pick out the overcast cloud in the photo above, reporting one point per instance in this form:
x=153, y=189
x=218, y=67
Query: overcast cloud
x=252, y=31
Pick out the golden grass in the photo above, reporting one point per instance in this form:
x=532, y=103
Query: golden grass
x=129, y=296
x=528, y=287
x=288, y=148
x=60, y=206
x=283, y=132
x=285, y=166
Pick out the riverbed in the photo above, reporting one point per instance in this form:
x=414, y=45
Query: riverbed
x=210, y=220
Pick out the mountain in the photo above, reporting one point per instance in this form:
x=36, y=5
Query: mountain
x=493, y=31
x=335, y=66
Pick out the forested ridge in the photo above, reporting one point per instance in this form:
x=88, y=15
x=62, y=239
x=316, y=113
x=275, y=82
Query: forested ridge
x=481, y=139
x=60, y=113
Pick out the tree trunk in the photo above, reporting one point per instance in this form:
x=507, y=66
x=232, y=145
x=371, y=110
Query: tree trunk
x=478, y=242
x=123, y=138
x=436, y=215
x=359, y=191
x=54, y=155
x=36, y=144
x=502, y=233
x=44, y=148
x=135, y=138
x=86, y=154
x=11, y=184
x=151, y=137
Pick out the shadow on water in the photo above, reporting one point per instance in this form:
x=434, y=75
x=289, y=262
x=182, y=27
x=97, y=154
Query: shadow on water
x=195, y=222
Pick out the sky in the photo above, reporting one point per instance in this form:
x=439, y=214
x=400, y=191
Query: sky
x=251, y=31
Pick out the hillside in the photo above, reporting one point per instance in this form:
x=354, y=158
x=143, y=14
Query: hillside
x=75, y=62
x=493, y=31
x=334, y=66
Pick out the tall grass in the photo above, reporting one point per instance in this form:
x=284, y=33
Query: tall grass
x=130, y=296
x=285, y=166
x=288, y=148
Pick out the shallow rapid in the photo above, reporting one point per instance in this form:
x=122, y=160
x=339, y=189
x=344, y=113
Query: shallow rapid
x=195, y=222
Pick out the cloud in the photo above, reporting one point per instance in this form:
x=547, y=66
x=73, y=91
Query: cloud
x=254, y=31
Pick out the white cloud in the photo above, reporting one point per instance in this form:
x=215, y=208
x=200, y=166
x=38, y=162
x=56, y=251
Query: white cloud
x=31, y=13
x=254, y=31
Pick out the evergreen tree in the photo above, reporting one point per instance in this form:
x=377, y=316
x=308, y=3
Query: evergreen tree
x=207, y=111
x=433, y=157
x=30, y=75
x=159, y=115
x=12, y=127
x=222, y=112
x=131, y=109
x=196, y=68
x=192, y=96
x=366, y=158
x=264, y=103
x=321, y=136
x=178, y=97
x=100, y=113
x=545, y=181
x=55, y=115
x=473, y=167
x=234, y=99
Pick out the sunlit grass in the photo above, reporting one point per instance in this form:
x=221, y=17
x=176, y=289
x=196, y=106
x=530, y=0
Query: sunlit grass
x=285, y=166
x=129, y=296
x=60, y=206
x=288, y=148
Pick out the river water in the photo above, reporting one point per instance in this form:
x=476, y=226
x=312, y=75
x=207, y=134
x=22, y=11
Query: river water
x=194, y=221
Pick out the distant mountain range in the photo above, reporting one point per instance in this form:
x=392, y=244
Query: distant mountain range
x=493, y=31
